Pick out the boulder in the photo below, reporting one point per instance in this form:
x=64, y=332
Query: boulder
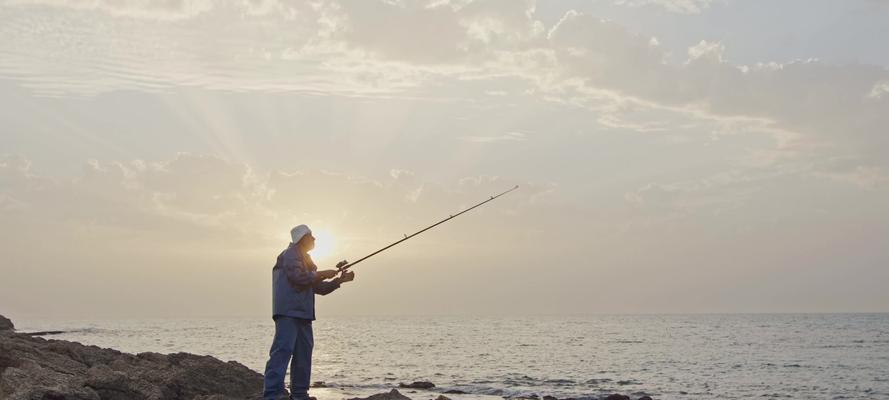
x=392, y=395
x=417, y=385
x=616, y=397
x=454, y=391
x=36, y=368
x=6, y=324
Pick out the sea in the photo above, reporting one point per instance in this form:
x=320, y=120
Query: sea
x=794, y=356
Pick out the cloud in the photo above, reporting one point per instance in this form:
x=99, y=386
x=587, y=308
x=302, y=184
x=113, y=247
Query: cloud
x=232, y=46
x=359, y=49
x=865, y=177
x=712, y=52
x=849, y=170
x=879, y=90
x=189, y=195
x=715, y=193
x=349, y=48
x=396, y=173
x=676, y=6
x=818, y=103
x=506, y=137
x=440, y=32
x=414, y=195
x=148, y=9
x=193, y=198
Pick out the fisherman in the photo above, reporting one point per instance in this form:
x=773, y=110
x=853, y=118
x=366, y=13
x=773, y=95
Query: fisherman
x=295, y=281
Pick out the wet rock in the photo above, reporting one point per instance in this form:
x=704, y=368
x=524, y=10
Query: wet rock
x=6, y=324
x=319, y=384
x=43, y=333
x=550, y=397
x=36, y=368
x=392, y=395
x=454, y=391
x=417, y=385
x=442, y=397
x=616, y=397
x=645, y=398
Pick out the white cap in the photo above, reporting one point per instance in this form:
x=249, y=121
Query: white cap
x=298, y=232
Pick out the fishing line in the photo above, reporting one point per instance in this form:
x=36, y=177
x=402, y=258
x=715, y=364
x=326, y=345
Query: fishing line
x=343, y=268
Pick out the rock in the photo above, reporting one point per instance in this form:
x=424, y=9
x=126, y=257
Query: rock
x=417, y=385
x=319, y=384
x=645, y=398
x=547, y=397
x=44, y=333
x=442, y=397
x=6, y=324
x=616, y=397
x=392, y=395
x=36, y=368
x=454, y=391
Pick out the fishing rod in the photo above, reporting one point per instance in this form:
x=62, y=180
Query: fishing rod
x=343, y=268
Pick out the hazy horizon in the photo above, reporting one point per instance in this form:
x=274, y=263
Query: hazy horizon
x=674, y=156
x=25, y=321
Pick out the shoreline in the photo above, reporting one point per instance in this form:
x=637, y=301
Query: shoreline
x=35, y=367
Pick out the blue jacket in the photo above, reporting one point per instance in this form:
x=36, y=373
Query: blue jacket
x=294, y=286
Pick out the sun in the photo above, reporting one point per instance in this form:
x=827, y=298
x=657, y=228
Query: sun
x=324, y=245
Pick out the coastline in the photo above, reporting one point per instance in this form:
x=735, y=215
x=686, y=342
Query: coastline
x=34, y=367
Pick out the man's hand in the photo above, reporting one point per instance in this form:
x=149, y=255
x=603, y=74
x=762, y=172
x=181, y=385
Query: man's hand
x=347, y=276
x=326, y=274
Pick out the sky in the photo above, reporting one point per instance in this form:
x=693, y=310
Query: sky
x=673, y=156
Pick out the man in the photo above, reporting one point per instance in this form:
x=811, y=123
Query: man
x=295, y=280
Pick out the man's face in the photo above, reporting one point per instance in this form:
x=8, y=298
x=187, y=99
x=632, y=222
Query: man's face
x=308, y=242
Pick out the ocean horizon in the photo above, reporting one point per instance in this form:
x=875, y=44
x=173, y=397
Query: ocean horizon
x=666, y=356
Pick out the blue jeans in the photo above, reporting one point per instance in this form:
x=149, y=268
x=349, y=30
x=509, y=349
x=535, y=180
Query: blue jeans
x=292, y=344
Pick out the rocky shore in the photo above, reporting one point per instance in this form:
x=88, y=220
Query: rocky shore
x=34, y=368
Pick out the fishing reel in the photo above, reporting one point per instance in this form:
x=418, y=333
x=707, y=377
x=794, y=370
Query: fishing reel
x=340, y=266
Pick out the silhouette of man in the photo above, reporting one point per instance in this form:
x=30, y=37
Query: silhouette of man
x=295, y=281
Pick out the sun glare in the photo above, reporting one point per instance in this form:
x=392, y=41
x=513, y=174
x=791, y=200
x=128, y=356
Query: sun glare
x=324, y=245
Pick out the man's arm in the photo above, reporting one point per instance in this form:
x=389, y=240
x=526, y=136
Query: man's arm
x=327, y=287
x=297, y=274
